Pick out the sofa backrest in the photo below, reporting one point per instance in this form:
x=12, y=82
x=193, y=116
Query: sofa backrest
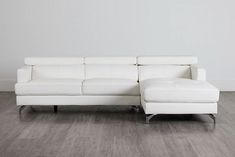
x=134, y=68
x=111, y=67
x=56, y=68
x=165, y=67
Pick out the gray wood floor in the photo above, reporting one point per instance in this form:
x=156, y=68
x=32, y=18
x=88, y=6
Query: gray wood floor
x=113, y=132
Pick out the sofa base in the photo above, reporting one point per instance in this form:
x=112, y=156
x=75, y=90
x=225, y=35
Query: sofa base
x=179, y=108
x=152, y=109
x=78, y=100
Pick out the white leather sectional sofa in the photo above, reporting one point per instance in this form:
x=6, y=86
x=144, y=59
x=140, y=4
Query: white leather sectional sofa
x=161, y=85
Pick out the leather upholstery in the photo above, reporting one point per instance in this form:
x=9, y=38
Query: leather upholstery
x=54, y=60
x=110, y=87
x=58, y=71
x=160, y=84
x=24, y=74
x=169, y=60
x=178, y=90
x=198, y=73
x=78, y=100
x=50, y=87
x=179, y=108
x=164, y=71
x=111, y=71
x=111, y=60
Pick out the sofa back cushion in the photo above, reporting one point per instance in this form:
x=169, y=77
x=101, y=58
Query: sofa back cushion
x=133, y=68
x=112, y=71
x=58, y=71
x=165, y=67
x=111, y=67
x=56, y=67
x=164, y=71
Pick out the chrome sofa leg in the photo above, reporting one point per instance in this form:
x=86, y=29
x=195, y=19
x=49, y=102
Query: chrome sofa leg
x=21, y=108
x=149, y=117
x=212, y=116
x=55, y=109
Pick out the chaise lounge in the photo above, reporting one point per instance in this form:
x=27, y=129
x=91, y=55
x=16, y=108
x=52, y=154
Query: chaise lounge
x=161, y=85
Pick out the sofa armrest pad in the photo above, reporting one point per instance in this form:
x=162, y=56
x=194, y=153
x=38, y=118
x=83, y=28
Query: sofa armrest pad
x=198, y=73
x=24, y=74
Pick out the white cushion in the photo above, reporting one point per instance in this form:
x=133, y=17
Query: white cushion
x=111, y=60
x=50, y=87
x=164, y=71
x=180, y=60
x=178, y=90
x=58, y=71
x=110, y=87
x=111, y=71
x=54, y=60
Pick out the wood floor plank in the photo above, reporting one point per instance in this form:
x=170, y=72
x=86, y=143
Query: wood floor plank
x=113, y=131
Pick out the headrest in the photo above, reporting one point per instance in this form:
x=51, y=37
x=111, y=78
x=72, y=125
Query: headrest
x=177, y=60
x=111, y=60
x=54, y=60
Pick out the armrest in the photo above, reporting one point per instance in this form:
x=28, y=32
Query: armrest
x=198, y=73
x=24, y=74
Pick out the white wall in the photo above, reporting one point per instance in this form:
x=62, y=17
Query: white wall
x=204, y=28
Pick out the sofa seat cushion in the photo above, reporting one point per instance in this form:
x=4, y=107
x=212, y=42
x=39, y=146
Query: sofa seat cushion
x=50, y=87
x=104, y=86
x=178, y=90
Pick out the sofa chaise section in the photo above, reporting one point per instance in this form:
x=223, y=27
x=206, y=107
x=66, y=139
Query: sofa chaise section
x=178, y=90
x=175, y=85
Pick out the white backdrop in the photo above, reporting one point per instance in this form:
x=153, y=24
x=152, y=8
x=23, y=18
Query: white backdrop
x=204, y=28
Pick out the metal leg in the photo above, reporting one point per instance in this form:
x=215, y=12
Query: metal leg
x=21, y=108
x=136, y=108
x=212, y=116
x=55, y=109
x=148, y=117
